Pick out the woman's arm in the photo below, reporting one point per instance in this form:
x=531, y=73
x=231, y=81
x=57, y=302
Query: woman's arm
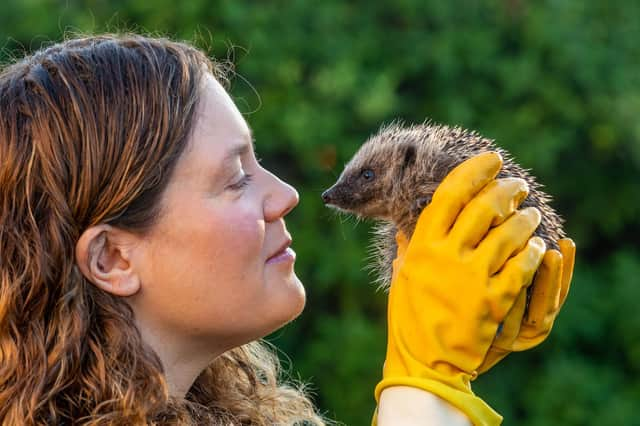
x=409, y=406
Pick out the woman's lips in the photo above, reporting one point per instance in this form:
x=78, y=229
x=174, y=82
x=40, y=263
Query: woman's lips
x=286, y=255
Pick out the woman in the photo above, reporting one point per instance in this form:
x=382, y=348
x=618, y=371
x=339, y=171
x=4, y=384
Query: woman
x=144, y=254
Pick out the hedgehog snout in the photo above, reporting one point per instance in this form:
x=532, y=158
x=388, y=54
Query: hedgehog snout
x=326, y=196
x=339, y=195
x=331, y=196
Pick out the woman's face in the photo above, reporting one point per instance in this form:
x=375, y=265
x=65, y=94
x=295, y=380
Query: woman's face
x=209, y=273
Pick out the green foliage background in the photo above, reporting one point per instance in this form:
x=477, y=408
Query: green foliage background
x=557, y=83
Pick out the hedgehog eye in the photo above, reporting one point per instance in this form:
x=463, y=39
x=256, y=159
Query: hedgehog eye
x=367, y=174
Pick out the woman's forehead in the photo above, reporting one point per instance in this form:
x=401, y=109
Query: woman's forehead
x=218, y=113
x=219, y=128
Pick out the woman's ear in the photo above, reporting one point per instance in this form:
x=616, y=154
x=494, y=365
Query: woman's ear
x=105, y=259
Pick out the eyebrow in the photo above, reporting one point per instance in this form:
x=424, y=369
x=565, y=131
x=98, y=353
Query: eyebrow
x=240, y=149
x=234, y=151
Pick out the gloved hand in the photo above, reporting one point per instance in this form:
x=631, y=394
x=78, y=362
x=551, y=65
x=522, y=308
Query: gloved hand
x=549, y=291
x=456, y=281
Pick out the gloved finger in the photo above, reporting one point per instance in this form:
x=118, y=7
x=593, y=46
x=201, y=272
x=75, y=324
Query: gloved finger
x=532, y=334
x=512, y=322
x=501, y=346
x=506, y=239
x=545, y=294
x=494, y=356
x=568, y=250
x=517, y=274
x=457, y=188
x=493, y=204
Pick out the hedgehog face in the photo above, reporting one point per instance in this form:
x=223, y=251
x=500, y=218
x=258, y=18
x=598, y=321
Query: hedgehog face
x=359, y=190
x=364, y=186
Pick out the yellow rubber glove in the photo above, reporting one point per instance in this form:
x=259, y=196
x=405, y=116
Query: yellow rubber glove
x=468, y=260
x=549, y=291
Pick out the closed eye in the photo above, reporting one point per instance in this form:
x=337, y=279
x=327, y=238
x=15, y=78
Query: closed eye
x=244, y=181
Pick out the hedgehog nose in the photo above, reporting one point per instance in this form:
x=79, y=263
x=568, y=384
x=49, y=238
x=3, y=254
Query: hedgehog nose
x=326, y=196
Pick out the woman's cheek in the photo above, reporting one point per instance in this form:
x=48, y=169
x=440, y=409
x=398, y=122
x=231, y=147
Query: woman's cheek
x=244, y=234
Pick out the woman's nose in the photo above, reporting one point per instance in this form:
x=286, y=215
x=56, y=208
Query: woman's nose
x=281, y=200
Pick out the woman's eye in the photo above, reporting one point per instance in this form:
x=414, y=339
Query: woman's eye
x=244, y=181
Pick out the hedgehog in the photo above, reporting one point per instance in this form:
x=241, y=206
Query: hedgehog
x=394, y=174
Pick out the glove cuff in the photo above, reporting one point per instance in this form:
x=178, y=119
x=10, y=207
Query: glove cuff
x=478, y=411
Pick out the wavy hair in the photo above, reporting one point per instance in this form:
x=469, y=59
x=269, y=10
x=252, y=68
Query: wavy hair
x=90, y=131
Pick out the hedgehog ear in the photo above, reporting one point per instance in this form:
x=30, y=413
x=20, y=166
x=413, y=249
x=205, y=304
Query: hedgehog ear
x=408, y=157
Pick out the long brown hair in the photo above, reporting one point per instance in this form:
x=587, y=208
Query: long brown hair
x=90, y=131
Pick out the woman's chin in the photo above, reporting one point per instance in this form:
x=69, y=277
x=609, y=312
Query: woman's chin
x=291, y=294
x=298, y=295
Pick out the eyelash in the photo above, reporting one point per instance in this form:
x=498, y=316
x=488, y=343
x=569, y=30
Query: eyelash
x=242, y=183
